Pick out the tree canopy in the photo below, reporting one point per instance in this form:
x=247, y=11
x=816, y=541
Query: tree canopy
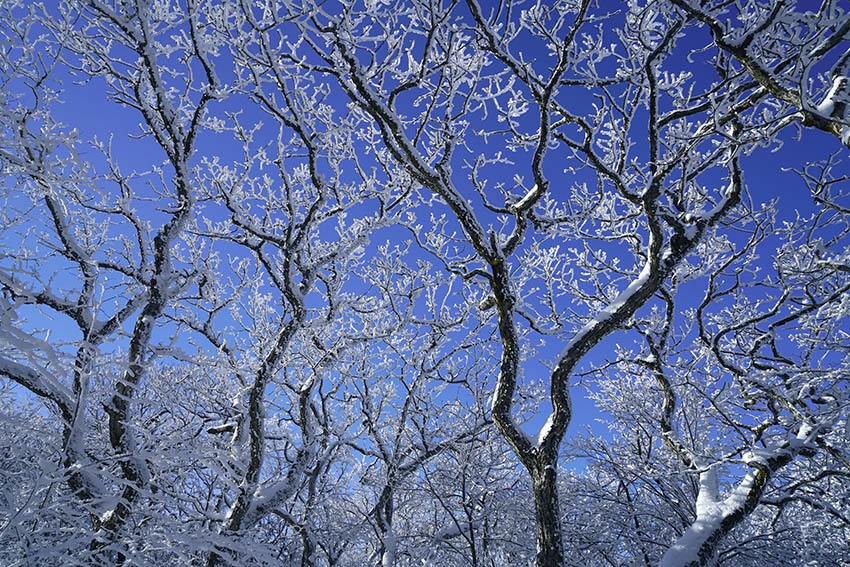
x=424, y=282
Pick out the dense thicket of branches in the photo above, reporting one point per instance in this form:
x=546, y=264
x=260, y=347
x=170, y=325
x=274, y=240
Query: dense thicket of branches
x=315, y=283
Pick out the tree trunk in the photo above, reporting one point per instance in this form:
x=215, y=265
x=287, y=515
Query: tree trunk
x=550, y=550
x=384, y=520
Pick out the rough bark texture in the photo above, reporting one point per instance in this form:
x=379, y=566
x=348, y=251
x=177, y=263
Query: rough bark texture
x=550, y=546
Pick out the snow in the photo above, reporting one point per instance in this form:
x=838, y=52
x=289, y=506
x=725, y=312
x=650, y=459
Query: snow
x=647, y=359
x=528, y=198
x=805, y=432
x=611, y=309
x=455, y=529
x=350, y=302
x=827, y=107
x=86, y=473
x=271, y=495
x=389, y=540
x=268, y=496
x=495, y=399
x=709, y=516
x=37, y=382
x=141, y=468
x=544, y=431
x=711, y=511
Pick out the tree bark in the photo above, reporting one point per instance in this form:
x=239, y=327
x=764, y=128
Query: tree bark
x=550, y=548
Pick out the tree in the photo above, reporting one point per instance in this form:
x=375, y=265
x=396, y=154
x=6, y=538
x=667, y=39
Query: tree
x=788, y=54
x=266, y=328
x=744, y=398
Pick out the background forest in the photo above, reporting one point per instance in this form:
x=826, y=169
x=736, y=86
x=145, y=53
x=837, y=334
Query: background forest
x=424, y=283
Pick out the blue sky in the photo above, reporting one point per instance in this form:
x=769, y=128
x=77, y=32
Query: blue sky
x=85, y=108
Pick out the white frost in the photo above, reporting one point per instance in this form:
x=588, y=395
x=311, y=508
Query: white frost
x=522, y=203
x=709, y=516
x=612, y=308
x=827, y=107
x=544, y=431
x=388, y=560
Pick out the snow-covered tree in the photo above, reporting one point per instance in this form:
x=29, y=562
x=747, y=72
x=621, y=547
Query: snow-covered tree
x=319, y=281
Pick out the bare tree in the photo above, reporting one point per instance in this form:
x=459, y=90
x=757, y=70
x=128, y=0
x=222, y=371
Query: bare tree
x=789, y=54
x=472, y=80
x=262, y=321
x=141, y=267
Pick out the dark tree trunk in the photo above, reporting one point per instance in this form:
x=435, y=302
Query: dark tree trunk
x=309, y=548
x=550, y=549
